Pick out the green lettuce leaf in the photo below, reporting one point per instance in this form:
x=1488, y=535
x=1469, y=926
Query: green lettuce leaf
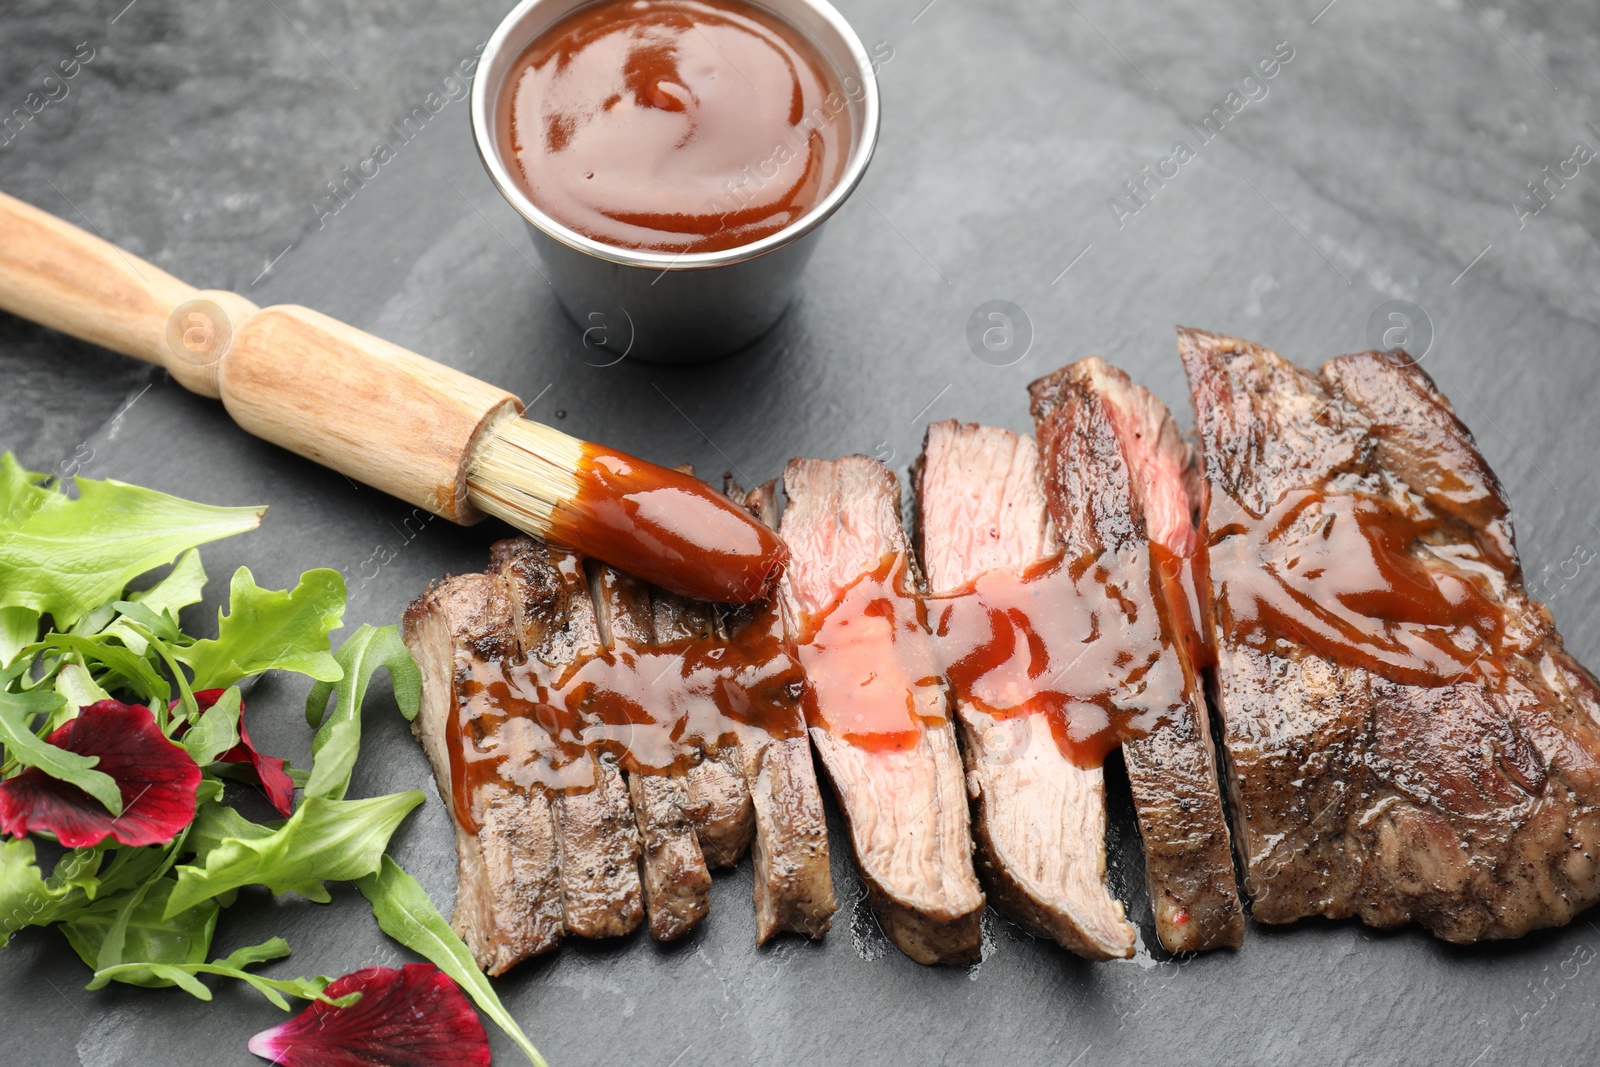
x=271, y=629
x=21, y=745
x=217, y=731
x=27, y=898
x=340, y=840
x=62, y=557
x=338, y=741
x=405, y=913
x=19, y=627
x=133, y=926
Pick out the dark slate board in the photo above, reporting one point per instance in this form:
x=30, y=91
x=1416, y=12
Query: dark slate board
x=1383, y=159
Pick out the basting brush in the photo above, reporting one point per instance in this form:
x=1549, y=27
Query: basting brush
x=385, y=416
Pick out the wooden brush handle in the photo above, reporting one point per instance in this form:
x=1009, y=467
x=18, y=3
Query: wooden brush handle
x=353, y=402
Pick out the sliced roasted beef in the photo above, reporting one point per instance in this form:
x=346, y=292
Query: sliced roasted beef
x=508, y=897
x=1114, y=466
x=793, y=880
x=1039, y=819
x=1407, y=739
x=677, y=886
x=554, y=619
x=719, y=799
x=877, y=708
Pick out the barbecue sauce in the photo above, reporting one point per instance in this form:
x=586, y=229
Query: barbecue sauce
x=668, y=528
x=872, y=677
x=1080, y=641
x=1339, y=574
x=675, y=125
x=654, y=710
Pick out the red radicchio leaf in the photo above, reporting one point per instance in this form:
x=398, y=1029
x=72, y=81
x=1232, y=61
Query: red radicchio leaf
x=156, y=777
x=413, y=1016
x=275, y=780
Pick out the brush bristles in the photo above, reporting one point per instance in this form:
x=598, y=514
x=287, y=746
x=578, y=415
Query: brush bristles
x=522, y=471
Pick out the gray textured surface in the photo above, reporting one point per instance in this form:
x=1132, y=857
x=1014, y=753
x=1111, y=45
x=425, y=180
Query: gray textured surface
x=1383, y=160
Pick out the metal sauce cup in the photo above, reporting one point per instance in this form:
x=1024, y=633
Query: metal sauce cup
x=666, y=307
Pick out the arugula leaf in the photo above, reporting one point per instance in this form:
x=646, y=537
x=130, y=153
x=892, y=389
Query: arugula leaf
x=215, y=823
x=217, y=731
x=333, y=839
x=132, y=926
x=405, y=913
x=334, y=749
x=16, y=709
x=183, y=975
x=267, y=629
x=62, y=556
x=19, y=627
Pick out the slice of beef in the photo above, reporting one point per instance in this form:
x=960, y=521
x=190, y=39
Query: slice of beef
x=719, y=798
x=1039, y=819
x=1115, y=466
x=905, y=806
x=1407, y=739
x=554, y=619
x=677, y=885
x=508, y=896
x=793, y=880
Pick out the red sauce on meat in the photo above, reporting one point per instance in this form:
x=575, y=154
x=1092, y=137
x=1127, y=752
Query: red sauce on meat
x=872, y=677
x=668, y=528
x=675, y=125
x=655, y=710
x=1344, y=576
x=1080, y=642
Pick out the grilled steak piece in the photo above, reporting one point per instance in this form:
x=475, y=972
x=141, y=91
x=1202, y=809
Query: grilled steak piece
x=555, y=621
x=1407, y=739
x=1039, y=820
x=793, y=880
x=877, y=709
x=1114, y=474
x=508, y=900
x=719, y=799
x=677, y=886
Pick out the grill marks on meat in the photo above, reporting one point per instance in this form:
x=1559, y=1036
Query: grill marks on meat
x=556, y=623
x=1115, y=468
x=793, y=879
x=508, y=905
x=903, y=801
x=1468, y=801
x=673, y=874
x=1039, y=819
x=719, y=798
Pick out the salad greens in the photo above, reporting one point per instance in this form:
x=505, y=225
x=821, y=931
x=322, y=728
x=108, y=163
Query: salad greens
x=78, y=648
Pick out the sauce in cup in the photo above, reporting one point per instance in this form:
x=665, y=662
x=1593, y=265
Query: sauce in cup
x=675, y=125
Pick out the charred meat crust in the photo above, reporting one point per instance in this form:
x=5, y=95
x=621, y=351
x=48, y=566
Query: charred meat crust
x=554, y=617
x=1473, y=809
x=1038, y=820
x=672, y=868
x=1115, y=468
x=508, y=904
x=793, y=877
x=906, y=810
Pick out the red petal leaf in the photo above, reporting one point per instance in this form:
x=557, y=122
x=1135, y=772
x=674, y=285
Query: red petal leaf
x=156, y=777
x=270, y=770
x=416, y=1015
